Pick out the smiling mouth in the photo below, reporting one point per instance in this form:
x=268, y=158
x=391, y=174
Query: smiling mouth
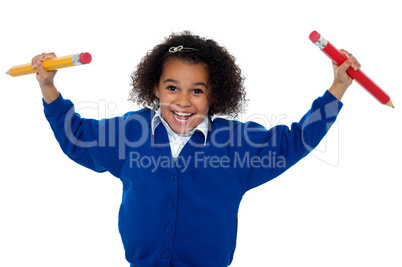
x=182, y=117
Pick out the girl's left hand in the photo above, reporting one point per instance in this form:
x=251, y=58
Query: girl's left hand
x=342, y=80
x=340, y=75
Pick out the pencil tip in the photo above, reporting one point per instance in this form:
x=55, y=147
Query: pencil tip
x=390, y=104
x=8, y=72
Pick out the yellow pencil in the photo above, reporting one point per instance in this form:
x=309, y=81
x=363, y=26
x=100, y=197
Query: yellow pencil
x=52, y=64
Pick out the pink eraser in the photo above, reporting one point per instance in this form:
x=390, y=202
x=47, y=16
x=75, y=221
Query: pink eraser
x=314, y=36
x=85, y=58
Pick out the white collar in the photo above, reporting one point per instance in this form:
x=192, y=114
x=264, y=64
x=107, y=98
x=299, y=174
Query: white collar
x=203, y=126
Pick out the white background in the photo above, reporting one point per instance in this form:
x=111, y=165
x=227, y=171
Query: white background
x=340, y=206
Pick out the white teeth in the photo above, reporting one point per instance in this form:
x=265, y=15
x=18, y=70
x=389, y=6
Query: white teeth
x=187, y=115
x=183, y=114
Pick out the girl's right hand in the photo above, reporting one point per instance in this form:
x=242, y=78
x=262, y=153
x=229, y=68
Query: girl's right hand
x=44, y=77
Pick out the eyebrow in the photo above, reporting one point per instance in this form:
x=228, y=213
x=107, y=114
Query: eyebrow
x=194, y=84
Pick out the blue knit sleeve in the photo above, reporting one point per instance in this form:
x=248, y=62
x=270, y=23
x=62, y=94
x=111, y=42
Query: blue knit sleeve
x=85, y=141
x=264, y=154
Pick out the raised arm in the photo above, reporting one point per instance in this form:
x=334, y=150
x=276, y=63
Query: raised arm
x=82, y=140
x=271, y=152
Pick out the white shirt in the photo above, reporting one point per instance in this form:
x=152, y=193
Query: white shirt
x=178, y=141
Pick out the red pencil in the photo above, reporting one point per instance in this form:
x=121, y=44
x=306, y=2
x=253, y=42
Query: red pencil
x=358, y=75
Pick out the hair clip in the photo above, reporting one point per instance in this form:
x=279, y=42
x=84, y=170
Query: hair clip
x=179, y=48
x=175, y=49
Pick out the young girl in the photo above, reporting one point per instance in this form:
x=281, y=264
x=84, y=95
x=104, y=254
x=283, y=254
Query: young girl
x=184, y=171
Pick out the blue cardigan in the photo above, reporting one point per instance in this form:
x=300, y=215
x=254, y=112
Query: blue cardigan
x=183, y=212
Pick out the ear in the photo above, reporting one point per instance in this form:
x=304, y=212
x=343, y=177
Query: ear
x=156, y=91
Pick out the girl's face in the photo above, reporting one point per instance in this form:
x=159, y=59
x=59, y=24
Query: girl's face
x=182, y=91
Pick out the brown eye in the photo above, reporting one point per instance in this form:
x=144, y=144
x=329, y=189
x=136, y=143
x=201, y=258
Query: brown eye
x=172, y=88
x=197, y=91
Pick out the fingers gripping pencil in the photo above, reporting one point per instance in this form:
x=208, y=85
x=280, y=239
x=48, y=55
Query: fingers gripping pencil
x=358, y=75
x=52, y=64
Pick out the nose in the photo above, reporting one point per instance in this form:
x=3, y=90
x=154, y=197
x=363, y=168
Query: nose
x=183, y=100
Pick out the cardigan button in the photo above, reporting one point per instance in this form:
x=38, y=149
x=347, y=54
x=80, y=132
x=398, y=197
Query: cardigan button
x=173, y=178
x=166, y=254
x=170, y=204
x=168, y=229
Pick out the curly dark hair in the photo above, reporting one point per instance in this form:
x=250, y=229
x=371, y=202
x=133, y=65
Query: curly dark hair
x=227, y=95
